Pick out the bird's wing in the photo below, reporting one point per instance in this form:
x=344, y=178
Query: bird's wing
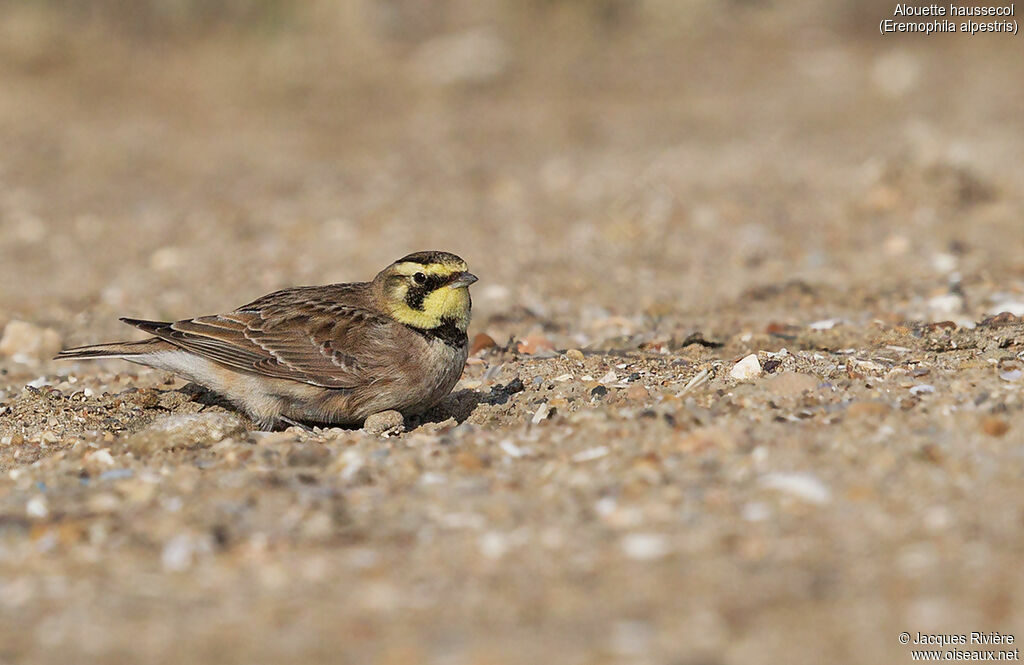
x=299, y=334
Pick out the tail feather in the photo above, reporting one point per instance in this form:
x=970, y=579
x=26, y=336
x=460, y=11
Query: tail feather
x=113, y=350
x=144, y=325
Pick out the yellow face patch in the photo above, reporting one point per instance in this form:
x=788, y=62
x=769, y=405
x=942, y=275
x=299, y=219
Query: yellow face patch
x=446, y=302
x=420, y=295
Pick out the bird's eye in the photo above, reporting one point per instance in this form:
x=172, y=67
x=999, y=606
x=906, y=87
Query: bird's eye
x=419, y=278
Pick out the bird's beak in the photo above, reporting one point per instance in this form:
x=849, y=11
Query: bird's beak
x=463, y=280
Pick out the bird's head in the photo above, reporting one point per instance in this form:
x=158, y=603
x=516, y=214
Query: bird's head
x=426, y=290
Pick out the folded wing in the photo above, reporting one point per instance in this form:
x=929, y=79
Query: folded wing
x=320, y=343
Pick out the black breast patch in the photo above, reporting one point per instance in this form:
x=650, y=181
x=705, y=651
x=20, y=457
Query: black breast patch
x=447, y=332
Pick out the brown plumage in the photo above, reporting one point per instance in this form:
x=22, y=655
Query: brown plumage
x=327, y=354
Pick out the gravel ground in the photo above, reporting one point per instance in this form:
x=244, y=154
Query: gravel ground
x=747, y=380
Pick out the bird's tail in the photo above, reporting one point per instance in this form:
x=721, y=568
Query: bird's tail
x=113, y=350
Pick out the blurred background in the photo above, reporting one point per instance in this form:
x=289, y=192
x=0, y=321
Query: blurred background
x=607, y=167
x=163, y=158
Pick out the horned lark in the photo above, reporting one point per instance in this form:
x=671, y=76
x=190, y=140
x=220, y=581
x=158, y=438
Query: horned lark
x=326, y=354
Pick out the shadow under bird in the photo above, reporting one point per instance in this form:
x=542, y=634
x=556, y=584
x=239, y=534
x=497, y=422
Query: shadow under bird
x=332, y=354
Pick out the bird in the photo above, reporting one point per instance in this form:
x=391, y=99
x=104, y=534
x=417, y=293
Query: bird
x=331, y=355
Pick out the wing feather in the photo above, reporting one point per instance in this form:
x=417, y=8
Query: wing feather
x=324, y=336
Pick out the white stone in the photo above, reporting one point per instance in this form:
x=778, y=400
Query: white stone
x=493, y=545
x=177, y=553
x=37, y=507
x=591, y=454
x=804, y=486
x=746, y=369
x=511, y=449
x=825, y=324
x=352, y=462
x=645, y=546
x=943, y=262
x=101, y=456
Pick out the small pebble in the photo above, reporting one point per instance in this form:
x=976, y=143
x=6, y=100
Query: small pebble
x=511, y=449
x=944, y=262
x=532, y=344
x=931, y=453
x=493, y=545
x=177, y=553
x=385, y=422
x=37, y=507
x=746, y=369
x=481, y=341
x=591, y=454
x=574, y=354
x=825, y=324
x=1011, y=375
x=1014, y=307
x=800, y=485
x=645, y=546
x=994, y=426
x=101, y=456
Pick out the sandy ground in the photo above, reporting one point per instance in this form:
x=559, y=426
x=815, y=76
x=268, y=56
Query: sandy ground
x=650, y=197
